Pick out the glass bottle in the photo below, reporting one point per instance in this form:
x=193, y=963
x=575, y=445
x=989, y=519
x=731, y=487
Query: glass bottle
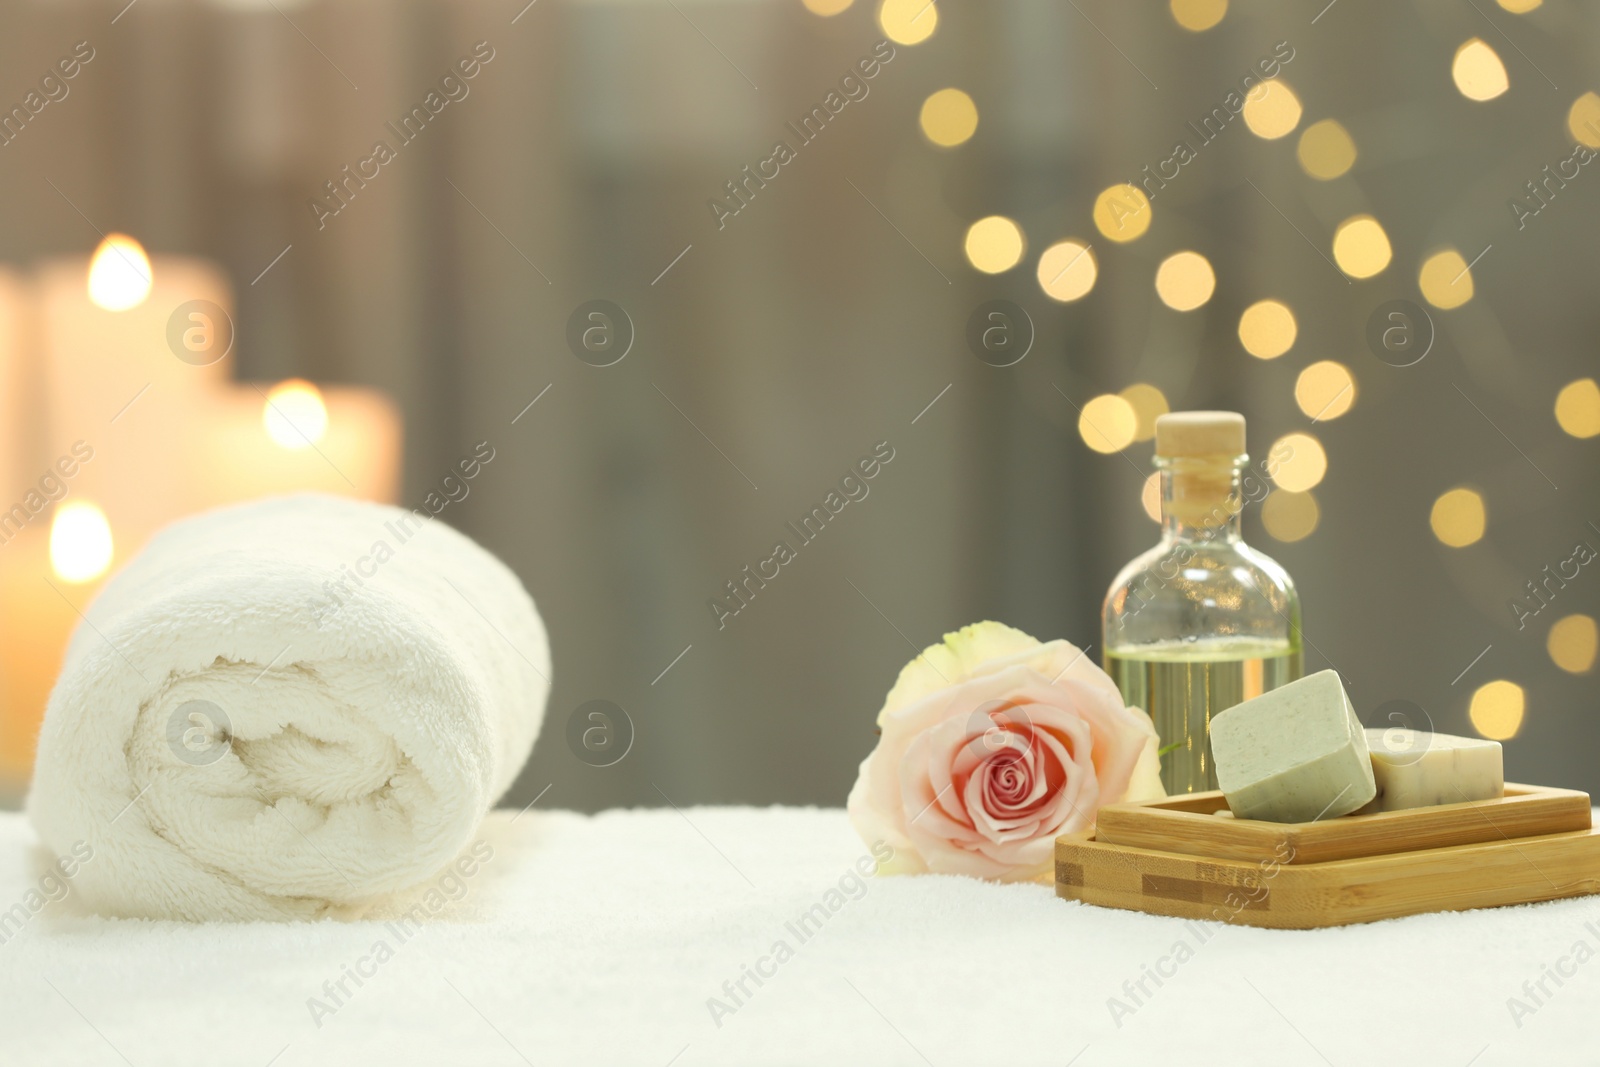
x=1202, y=621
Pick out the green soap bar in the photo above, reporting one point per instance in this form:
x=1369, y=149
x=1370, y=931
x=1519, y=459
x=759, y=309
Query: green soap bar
x=1295, y=754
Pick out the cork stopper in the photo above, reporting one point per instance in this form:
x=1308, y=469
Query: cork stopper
x=1200, y=433
x=1200, y=492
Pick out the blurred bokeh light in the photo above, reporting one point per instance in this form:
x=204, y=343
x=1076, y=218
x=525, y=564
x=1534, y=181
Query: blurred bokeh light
x=1067, y=270
x=1267, y=329
x=1185, y=281
x=1578, y=408
x=1573, y=642
x=994, y=244
x=1290, y=516
x=1459, y=517
x=1271, y=110
x=1122, y=212
x=908, y=21
x=1445, y=279
x=1108, y=423
x=1325, y=390
x=1149, y=404
x=949, y=117
x=1297, y=462
x=1326, y=150
x=1478, y=71
x=1496, y=709
x=1361, y=247
x=1198, y=15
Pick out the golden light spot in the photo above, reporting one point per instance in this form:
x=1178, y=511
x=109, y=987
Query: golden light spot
x=1360, y=246
x=1297, y=462
x=1149, y=403
x=1122, y=212
x=1496, y=709
x=1325, y=390
x=994, y=244
x=1271, y=110
x=1267, y=329
x=908, y=21
x=826, y=7
x=1185, y=281
x=1573, y=642
x=1150, y=496
x=1584, y=119
x=1520, y=7
x=1108, y=423
x=1578, y=408
x=119, y=273
x=1198, y=15
x=1290, y=517
x=1458, y=517
x=294, y=414
x=949, y=117
x=1326, y=150
x=1067, y=270
x=1478, y=72
x=80, y=542
x=1445, y=279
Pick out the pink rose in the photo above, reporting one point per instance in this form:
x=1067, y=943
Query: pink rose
x=992, y=744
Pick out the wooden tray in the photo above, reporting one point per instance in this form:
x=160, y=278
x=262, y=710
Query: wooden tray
x=1444, y=863
x=1201, y=825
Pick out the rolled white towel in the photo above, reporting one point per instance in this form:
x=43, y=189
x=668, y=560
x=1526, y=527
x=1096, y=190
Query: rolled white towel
x=287, y=709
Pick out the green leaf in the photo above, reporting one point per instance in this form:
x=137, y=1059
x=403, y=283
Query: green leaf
x=1170, y=748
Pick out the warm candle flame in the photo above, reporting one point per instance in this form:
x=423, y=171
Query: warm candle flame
x=119, y=274
x=294, y=415
x=80, y=542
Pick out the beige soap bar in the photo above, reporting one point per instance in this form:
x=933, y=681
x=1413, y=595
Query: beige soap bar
x=1295, y=754
x=1416, y=768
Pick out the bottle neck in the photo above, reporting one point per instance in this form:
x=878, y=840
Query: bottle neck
x=1201, y=498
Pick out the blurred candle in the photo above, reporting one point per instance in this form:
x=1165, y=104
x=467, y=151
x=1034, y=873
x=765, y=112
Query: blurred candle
x=31, y=630
x=295, y=437
x=80, y=542
x=45, y=571
x=119, y=274
x=41, y=611
x=18, y=410
x=294, y=414
x=133, y=349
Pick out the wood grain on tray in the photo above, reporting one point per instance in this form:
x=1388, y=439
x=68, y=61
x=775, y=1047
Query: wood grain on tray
x=1186, y=857
x=1199, y=824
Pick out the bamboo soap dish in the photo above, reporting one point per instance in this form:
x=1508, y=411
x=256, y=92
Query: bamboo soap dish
x=1188, y=857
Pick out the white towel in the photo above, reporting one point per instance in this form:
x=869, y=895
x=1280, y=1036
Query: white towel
x=288, y=709
x=627, y=937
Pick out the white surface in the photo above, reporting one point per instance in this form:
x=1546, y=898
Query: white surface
x=374, y=721
x=598, y=940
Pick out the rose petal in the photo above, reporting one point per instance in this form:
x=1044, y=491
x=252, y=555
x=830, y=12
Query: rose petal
x=1062, y=804
x=960, y=656
x=872, y=820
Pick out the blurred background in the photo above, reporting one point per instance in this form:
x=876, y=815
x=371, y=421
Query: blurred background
x=998, y=239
